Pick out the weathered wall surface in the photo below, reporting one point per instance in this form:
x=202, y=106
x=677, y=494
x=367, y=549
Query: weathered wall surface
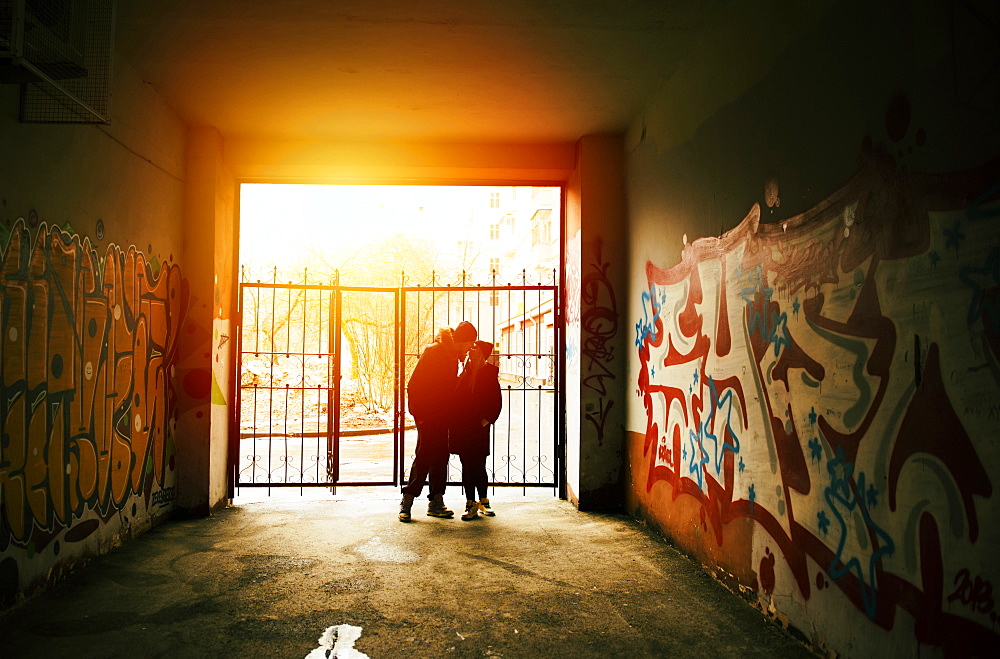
x=92, y=304
x=814, y=413
x=595, y=355
x=209, y=250
x=835, y=380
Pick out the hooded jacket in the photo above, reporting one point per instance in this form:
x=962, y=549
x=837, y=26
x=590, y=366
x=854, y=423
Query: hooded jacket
x=431, y=389
x=478, y=399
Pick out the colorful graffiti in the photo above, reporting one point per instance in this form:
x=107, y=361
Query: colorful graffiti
x=87, y=351
x=834, y=379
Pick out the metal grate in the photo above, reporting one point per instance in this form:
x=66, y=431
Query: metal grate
x=300, y=382
x=520, y=319
x=60, y=51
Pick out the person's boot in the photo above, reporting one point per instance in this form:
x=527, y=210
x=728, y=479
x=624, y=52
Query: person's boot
x=404, y=507
x=484, y=507
x=436, y=508
x=471, y=511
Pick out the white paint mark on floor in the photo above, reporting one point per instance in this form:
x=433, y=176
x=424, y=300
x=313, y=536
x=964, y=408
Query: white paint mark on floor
x=337, y=642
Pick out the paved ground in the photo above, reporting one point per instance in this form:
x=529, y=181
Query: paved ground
x=266, y=579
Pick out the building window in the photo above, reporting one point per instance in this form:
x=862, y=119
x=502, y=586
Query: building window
x=494, y=232
x=495, y=266
x=541, y=227
x=464, y=246
x=494, y=200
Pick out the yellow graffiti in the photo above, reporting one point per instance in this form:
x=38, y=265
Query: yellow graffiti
x=86, y=348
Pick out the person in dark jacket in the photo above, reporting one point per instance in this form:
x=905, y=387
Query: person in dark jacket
x=479, y=404
x=432, y=404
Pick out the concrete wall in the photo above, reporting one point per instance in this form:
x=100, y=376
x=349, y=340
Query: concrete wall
x=592, y=171
x=595, y=343
x=92, y=304
x=275, y=161
x=814, y=235
x=210, y=246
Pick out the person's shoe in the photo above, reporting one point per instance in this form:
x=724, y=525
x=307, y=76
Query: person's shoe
x=436, y=508
x=471, y=511
x=484, y=508
x=404, y=507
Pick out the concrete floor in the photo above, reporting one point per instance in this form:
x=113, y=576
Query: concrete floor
x=267, y=578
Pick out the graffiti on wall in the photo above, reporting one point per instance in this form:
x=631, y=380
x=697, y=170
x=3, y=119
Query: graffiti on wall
x=599, y=327
x=835, y=379
x=87, y=351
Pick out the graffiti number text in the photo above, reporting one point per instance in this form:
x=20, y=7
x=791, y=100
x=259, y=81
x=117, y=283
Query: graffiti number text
x=976, y=593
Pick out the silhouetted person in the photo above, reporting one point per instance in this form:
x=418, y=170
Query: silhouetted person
x=479, y=404
x=431, y=396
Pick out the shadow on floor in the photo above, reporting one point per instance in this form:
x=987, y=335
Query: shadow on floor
x=267, y=578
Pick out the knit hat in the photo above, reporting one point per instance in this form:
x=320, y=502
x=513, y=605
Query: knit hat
x=465, y=332
x=485, y=347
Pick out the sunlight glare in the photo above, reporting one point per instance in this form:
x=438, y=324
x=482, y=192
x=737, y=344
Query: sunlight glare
x=280, y=221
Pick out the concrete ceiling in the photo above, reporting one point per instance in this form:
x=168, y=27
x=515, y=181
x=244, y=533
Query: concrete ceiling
x=416, y=70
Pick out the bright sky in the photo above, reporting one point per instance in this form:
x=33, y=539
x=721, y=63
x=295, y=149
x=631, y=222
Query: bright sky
x=278, y=221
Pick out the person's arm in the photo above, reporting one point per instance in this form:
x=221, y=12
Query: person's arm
x=422, y=387
x=491, y=399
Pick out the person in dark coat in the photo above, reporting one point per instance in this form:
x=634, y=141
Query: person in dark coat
x=433, y=405
x=479, y=404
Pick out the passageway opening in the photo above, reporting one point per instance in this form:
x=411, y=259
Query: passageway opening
x=341, y=287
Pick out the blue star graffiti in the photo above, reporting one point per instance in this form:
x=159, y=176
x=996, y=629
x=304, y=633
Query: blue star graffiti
x=772, y=325
x=707, y=437
x=954, y=235
x=847, y=497
x=815, y=449
x=699, y=458
x=730, y=441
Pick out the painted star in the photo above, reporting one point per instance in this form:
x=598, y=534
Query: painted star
x=823, y=521
x=699, y=458
x=730, y=440
x=872, y=496
x=815, y=449
x=848, y=505
x=841, y=471
x=954, y=235
x=640, y=333
x=779, y=333
x=758, y=294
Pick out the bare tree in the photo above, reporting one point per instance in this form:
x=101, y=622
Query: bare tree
x=288, y=322
x=369, y=318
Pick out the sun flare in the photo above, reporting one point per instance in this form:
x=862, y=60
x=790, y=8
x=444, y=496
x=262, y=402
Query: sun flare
x=320, y=229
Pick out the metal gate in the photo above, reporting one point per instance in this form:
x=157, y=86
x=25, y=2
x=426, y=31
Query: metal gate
x=323, y=371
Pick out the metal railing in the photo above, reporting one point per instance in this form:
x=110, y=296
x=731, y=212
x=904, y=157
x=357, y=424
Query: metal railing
x=323, y=371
